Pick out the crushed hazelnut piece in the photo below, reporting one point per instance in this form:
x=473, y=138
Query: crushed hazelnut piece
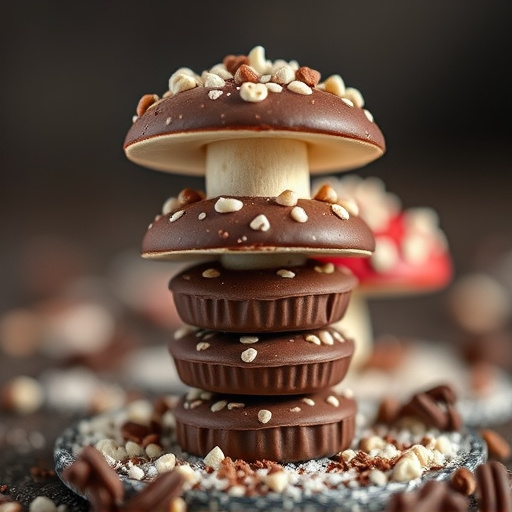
x=287, y=198
x=326, y=194
x=326, y=337
x=272, y=87
x=264, y=416
x=176, y=215
x=248, y=339
x=214, y=458
x=218, y=406
x=215, y=94
x=284, y=75
x=233, y=62
x=299, y=87
x=253, y=92
x=328, y=268
x=332, y=400
x=335, y=85
x=341, y=212
x=211, y=273
x=246, y=73
x=145, y=102
x=228, y=205
x=249, y=355
x=309, y=76
x=260, y=223
x=313, y=339
x=308, y=401
x=235, y=405
x=298, y=214
x=285, y=273
x=202, y=345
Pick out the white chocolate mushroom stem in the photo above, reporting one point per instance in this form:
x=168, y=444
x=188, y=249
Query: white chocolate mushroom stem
x=257, y=167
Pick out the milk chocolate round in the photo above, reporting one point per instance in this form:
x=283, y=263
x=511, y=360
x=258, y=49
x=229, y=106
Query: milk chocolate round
x=171, y=135
x=282, y=429
x=261, y=364
x=307, y=296
x=309, y=227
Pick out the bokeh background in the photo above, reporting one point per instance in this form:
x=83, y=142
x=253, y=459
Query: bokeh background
x=434, y=74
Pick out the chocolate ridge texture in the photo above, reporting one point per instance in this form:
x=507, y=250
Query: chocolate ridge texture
x=274, y=364
x=283, y=429
x=262, y=300
x=197, y=228
x=171, y=135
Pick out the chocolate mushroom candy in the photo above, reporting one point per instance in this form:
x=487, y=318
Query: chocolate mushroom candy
x=256, y=232
x=256, y=132
x=411, y=253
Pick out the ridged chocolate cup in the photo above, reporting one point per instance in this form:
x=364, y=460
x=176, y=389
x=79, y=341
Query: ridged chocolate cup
x=299, y=427
x=290, y=363
x=262, y=300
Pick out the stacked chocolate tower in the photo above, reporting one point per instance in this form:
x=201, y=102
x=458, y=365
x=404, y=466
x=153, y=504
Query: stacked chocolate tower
x=260, y=352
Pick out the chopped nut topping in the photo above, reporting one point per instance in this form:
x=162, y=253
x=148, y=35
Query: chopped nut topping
x=368, y=115
x=354, y=96
x=248, y=339
x=228, y=205
x=341, y=212
x=176, y=215
x=299, y=87
x=257, y=59
x=249, y=355
x=284, y=75
x=218, y=406
x=326, y=194
x=182, y=82
x=285, y=273
x=313, y=339
x=264, y=416
x=202, y=345
x=145, y=102
x=277, y=481
x=328, y=268
x=201, y=216
x=298, y=214
x=246, y=73
x=272, y=87
x=287, y=198
x=326, y=337
x=332, y=400
x=220, y=69
x=215, y=94
x=308, y=401
x=211, y=273
x=233, y=62
x=309, y=76
x=260, y=223
x=214, y=458
x=335, y=85
x=253, y=92
x=212, y=80
x=295, y=409
x=235, y=405
x=194, y=404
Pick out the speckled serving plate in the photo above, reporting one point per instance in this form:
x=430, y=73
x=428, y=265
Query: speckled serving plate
x=471, y=453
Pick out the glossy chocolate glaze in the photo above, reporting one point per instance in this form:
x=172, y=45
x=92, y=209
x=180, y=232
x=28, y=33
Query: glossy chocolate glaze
x=298, y=429
x=261, y=300
x=187, y=121
x=291, y=363
x=202, y=230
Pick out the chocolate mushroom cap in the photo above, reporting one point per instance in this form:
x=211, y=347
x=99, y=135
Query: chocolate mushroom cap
x=172, y=135
x=198, y=228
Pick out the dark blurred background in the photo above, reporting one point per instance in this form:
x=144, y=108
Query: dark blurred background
x=434, y=74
